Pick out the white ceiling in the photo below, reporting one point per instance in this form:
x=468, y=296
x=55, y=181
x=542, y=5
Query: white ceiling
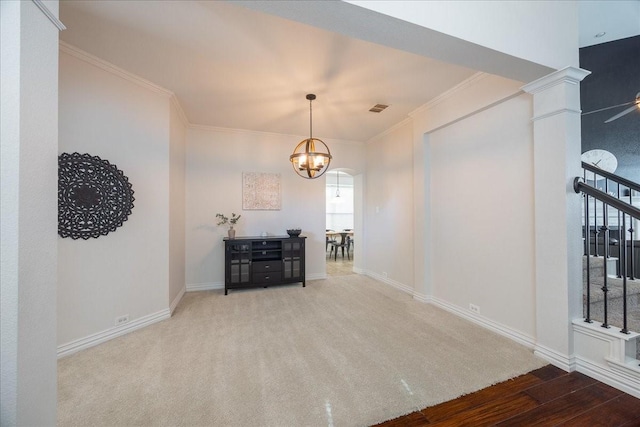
x=617, y=19
x=233, y=67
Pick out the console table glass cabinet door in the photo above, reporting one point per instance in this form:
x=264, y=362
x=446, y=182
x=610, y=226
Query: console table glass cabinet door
x=293, y=260
x=238, y=265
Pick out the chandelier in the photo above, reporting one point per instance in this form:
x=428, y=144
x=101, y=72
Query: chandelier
x=311, y=157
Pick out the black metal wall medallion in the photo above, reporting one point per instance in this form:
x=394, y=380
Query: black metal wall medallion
x=94, y=196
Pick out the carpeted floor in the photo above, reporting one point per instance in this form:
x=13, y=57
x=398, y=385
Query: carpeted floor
x=346, y=351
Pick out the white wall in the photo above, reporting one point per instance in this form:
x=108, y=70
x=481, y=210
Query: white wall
x=29, y=135
x=126, y=271
x=388, y=215
x=177, y=153
x=216, y=159
x=482, y=214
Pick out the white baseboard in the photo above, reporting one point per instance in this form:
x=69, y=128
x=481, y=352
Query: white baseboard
x=176, y=300
x=428, y=299
x=607, y=355
x=503, y=330
x=617, y=378
x=111, y=333
x=496, y=327
x=210, y=286
x=400, y=286
x=317, y=276
x=562, y=361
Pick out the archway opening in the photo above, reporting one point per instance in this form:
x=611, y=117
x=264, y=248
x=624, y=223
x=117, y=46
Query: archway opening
x=340, y=222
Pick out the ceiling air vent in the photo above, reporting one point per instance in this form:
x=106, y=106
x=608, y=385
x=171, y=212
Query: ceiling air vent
x=378, y=108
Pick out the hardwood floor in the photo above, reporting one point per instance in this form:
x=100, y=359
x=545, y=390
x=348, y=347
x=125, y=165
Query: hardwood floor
x=547, y=396
x=340, y=266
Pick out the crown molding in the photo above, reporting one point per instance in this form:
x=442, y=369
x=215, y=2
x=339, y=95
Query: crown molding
x=390, y=130
x=479, y=110
x=569, y=75
x=181, y=115
x=113, y=69
x=479, y=76
x=50, y=15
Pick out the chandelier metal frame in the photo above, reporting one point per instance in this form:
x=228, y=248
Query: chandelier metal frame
x=311, y=157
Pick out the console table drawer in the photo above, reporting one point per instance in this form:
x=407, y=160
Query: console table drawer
x=266, y=266
x=274, y=277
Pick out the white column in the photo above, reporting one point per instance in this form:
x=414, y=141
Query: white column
x=556, y=153
x=28, y=207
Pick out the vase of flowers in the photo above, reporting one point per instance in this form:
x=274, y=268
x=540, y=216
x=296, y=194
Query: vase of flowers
x=222, y=219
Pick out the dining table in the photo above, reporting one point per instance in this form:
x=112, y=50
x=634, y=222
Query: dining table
x=332, y=233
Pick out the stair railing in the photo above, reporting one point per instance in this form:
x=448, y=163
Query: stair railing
x=625, y=211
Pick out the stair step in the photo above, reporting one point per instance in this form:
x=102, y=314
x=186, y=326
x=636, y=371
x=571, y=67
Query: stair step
x=596, y=266
x=615, y=287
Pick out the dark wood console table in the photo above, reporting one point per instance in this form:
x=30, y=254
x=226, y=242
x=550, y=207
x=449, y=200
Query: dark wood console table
x=263, y=261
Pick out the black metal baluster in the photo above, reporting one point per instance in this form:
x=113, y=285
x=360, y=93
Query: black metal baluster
x=587, y=226
x=596, y=231
x=623, y=267
x=587, y=235
x=632, y=274
x=620, y=231
x=605, y=246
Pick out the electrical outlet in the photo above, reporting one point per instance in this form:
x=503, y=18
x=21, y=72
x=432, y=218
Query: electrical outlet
x=474, y=308
x=122, y=320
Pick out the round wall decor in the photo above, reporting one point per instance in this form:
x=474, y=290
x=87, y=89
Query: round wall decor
x=94, y=196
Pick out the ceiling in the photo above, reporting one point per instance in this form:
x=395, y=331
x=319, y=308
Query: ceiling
x=616, y=19
x=233, y=67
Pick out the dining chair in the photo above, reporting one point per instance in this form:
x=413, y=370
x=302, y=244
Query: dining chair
x=329, y=239
x=350, y=243
x=343, y=244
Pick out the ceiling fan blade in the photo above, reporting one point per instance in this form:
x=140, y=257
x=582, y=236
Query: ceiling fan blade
x=622, y=113
x=608, y=108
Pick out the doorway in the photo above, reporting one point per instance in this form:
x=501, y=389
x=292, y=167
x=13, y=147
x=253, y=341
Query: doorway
x=340, y=221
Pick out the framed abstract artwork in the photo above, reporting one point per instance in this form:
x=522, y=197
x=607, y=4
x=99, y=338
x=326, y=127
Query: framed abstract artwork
x=261, y=191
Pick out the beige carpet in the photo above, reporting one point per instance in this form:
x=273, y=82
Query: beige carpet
x=346, y=351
